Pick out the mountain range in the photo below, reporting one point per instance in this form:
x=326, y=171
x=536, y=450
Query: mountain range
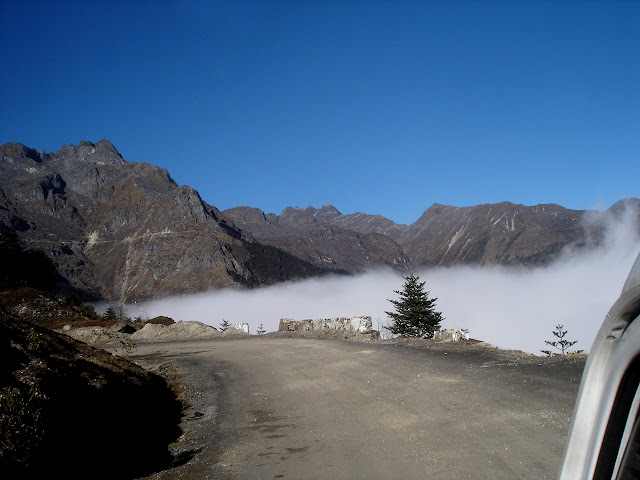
x=121, y=231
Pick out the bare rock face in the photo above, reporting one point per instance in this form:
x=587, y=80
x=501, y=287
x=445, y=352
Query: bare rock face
x=366, y=223
x=503, y=233
x=123, y=231
x=312, y=235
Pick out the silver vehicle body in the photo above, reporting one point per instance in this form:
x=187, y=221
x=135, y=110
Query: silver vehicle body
x=604, y=436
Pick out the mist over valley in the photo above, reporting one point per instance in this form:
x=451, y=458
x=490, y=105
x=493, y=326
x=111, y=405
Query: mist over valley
x=511, y=308
x=125, y=232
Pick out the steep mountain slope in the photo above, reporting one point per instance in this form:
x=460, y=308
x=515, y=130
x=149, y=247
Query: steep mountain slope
x=309, y=235
x=504, y=233
x=366, y=223
x=123, y=231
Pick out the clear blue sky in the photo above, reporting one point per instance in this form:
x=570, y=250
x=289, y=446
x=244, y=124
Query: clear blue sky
x=384, y=107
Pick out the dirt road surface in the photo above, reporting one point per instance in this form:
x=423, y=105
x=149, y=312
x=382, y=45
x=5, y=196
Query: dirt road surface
x=298, y=408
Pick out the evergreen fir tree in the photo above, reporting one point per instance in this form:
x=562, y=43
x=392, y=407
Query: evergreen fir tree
x=224, y=325
x=261, y=330
x=415, y=314
x=110, y=313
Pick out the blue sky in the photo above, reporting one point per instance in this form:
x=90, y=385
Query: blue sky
x=384, y=107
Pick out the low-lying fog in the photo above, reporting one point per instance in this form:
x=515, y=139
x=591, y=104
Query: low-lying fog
x=513, y=309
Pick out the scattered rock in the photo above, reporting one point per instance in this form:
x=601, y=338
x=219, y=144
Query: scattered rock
x=242, y=327
x=451, y=335
x=178, y=331
x=162, y=320
x=94, y=335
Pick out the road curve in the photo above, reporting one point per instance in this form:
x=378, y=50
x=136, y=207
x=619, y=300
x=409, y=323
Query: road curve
x=296, y=408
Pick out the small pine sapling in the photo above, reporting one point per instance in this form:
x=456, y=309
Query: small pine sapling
x=224, y=325
x=110, y=313
x=261, y=330
x=560, y=344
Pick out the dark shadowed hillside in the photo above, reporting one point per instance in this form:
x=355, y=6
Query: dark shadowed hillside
x=309, y=234
x=75, y=411
x=120, y=231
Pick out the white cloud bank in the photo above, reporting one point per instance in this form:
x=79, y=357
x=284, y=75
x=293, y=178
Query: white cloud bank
x=510, y=309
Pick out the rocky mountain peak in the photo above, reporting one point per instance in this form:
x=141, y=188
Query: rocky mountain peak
x=436, y=208
x=100, y=153
x=16, y=150
x=624, y=204
x=243, y=215
x=298, y=215
x=312, y=235
x=327, y=213
x=123, y=230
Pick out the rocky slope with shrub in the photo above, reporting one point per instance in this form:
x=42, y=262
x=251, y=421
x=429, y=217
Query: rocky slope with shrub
x=75, y=411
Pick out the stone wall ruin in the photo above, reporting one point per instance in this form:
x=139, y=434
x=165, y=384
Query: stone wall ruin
x=343, y=326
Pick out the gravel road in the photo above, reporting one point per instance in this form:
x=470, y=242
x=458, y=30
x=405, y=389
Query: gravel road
x=299, y=408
